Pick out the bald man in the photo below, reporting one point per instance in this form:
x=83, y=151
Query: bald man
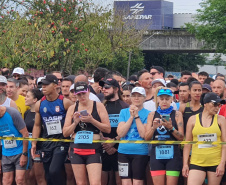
x=218, y=87
x=83, y=78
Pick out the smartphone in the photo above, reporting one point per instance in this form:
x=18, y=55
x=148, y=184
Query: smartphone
x=84, y=113
x=166, y=117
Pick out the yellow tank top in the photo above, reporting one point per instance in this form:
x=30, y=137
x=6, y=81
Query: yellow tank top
x=206, y=154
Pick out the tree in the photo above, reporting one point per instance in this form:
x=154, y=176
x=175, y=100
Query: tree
x=210, y=24
x=65, y=35
x=175, y=62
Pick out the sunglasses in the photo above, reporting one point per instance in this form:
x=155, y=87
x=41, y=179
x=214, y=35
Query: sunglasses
x=60, y=79
x=16, y=75
x=107, y=86
x=216, y=104
x=153, y=73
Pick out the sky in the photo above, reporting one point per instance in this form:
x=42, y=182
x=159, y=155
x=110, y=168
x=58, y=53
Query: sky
x=180, y=6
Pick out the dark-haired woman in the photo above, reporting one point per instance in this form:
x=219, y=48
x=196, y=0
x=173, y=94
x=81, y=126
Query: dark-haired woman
x=84, y=122
x=194, y=106
x=206, y=159
x=31, y=98
x=126, y=90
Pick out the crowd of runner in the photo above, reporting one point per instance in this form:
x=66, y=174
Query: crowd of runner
x=105, y=106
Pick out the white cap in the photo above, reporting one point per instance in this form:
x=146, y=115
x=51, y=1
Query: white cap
x=39, y=80
x=159, y=80
x=18, y=70
x=3, y=79
x=139, y=90
x=72, y=87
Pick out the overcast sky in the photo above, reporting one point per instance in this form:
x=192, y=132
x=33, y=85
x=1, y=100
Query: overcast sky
x=180, y=6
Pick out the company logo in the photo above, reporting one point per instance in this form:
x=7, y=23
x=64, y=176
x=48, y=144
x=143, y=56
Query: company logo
x=136, y=9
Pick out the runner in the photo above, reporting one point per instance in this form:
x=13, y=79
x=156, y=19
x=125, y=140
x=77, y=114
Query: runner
x=50, y=114
x=165, y=124
x=126, y=92
x=194, y=106
x=114, y=104
x=133, y=158
x=85, y=120
x=15, y=154
x=185, y=75
x=206, y=159
x=66, y=84
x=31, y=98
x=202, y=76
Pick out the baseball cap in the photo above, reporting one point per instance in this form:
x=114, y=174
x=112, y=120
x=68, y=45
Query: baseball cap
x=207, y=86
x=139, y=90
x=18, y=70
x=81, y=87
x=3, y=79
x=109, y=81
x=212, y=97
x=159, y=80
x=168, y=92
x=72, y=87
x=48, y=79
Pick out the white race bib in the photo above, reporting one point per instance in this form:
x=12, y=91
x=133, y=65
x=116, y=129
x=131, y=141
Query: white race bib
x=53, y=127
x=123, y=169
x=207, y=137
x=10, y=143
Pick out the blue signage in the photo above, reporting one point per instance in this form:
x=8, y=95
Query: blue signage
x=151, y=15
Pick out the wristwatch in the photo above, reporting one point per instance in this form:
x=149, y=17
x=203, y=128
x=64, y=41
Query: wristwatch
x=25, y=154
x=171, y=131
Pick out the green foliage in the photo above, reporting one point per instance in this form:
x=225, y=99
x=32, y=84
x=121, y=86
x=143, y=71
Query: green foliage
x=210, y=24
x=65, y=35
x=175, y=62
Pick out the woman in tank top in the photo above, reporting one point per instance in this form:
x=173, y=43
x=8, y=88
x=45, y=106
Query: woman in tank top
x=194, y=106
x=165, y=124
x=37, y=170
x=84, y=122
x=206, y=159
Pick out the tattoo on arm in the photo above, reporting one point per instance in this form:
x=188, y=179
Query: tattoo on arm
x=179, y=134
x=180, y=124
x=176, y=114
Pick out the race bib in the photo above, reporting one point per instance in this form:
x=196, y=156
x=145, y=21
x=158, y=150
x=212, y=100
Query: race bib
x=114, y=119
x=10, y=143
x=207, y=137
x=164, y=152
x=123, y=169
x=53, y=127
x=84, y=137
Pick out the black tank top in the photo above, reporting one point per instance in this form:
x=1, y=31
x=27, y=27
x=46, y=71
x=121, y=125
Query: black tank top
x=188, y=113
x=162, y=133
x=88, y=126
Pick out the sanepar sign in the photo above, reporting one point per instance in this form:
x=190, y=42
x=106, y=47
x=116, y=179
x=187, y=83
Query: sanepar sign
x=154, y=15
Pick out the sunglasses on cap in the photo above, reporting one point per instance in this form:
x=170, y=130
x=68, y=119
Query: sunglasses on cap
x=107, y=86
x=215, y=104
x=165, y=92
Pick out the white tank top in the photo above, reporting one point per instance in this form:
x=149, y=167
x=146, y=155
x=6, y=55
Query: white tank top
x=7, y=102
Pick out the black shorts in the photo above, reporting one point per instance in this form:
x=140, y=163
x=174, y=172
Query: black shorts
x=132, y=166
x=110, y=162
x=48, y=155
x=201, y=168
x=0, y=152
x=174, y=164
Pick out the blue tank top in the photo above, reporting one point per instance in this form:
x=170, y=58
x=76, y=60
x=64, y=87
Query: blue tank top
x=53, y=116
x=7, y=128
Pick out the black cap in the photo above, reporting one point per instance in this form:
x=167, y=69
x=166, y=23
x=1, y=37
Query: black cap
x=207, y=86
x=109, y=81
x=48, y=79
x=212, y=97
x=81, y=87
x=159, y=69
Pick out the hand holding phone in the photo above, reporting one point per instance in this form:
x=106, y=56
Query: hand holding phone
x=84, y=113
x=165, y=117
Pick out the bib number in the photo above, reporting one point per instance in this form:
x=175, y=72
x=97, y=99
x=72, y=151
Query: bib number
x=123, y=169
x=84, y=137
x=114, y=118
x=164, y=152
x=53, y=127
x=207, y=137
x=10, y=143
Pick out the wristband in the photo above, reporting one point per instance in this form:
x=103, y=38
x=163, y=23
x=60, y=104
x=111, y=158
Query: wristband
x=171, y=131
x=137, y=117
x=25, y=153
